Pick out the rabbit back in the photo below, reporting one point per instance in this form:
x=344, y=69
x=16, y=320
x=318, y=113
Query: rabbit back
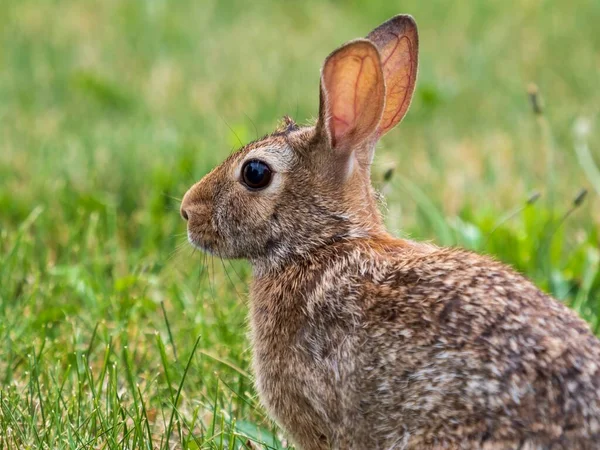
x=407, y=346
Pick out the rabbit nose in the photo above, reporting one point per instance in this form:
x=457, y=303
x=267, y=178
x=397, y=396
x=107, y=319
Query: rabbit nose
x=185, y=209
x=184, y=214
x=192, y=202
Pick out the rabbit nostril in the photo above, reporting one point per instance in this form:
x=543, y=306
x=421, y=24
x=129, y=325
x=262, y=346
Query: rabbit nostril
x=184, y=214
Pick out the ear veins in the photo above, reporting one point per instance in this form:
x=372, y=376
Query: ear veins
x=352, y=103
x=376, y=119
x=352, y=79
x=397, y=41
x=362, y=63
x=383, y=63
x=336, y=117
x=388, y=73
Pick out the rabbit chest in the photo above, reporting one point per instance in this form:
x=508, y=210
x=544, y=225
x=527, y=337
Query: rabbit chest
x=304, y=343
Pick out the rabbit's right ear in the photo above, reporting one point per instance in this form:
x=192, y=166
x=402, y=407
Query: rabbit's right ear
x=352, y=97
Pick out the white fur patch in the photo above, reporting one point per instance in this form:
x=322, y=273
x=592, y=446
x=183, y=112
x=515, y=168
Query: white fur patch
x=279, y=159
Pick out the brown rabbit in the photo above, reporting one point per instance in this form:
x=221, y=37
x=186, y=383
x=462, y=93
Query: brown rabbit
x=365, y=341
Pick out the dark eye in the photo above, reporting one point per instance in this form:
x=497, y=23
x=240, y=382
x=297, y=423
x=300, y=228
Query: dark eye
x=256, y=174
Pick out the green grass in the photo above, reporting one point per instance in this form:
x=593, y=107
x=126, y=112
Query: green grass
x=113, y=332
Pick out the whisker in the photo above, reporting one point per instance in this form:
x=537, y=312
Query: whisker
x=230, y=280
x=232, y=130
x=211, y=273
x=174, y=203
x=236, y=273
x=177, y=199
x=177, y=249
x=173, y=207
x=203, y=270
x=254, y=125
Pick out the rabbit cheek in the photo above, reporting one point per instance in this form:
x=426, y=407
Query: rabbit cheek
x=243, y=223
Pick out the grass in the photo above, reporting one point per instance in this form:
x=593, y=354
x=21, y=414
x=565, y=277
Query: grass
x=113, y=332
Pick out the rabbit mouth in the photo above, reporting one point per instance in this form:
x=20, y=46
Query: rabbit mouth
x=202, y=241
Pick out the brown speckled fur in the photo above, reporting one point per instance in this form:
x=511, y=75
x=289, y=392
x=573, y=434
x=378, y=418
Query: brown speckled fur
x=364, y=341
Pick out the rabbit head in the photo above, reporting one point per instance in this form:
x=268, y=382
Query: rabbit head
x=303, y=187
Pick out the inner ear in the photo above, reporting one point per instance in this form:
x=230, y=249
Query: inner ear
x=352, y=95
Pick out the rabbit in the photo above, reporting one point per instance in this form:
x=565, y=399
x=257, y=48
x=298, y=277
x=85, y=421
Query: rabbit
x=365, y=341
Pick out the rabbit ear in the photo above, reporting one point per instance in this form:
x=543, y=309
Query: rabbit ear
x=398, y=43
x=352, y=95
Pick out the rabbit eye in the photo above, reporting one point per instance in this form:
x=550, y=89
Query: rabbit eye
x=256, y=174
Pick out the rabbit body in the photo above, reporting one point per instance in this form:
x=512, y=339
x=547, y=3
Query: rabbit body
x=363, y=341
x=387, y=344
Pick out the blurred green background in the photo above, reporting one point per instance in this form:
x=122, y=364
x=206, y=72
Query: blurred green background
x=110, y=110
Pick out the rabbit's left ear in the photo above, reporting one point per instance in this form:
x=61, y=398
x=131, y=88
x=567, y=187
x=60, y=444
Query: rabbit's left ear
x=352, y=97
x=398, y=43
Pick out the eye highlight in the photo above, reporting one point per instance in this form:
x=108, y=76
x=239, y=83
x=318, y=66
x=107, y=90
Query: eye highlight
x=256, y=174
